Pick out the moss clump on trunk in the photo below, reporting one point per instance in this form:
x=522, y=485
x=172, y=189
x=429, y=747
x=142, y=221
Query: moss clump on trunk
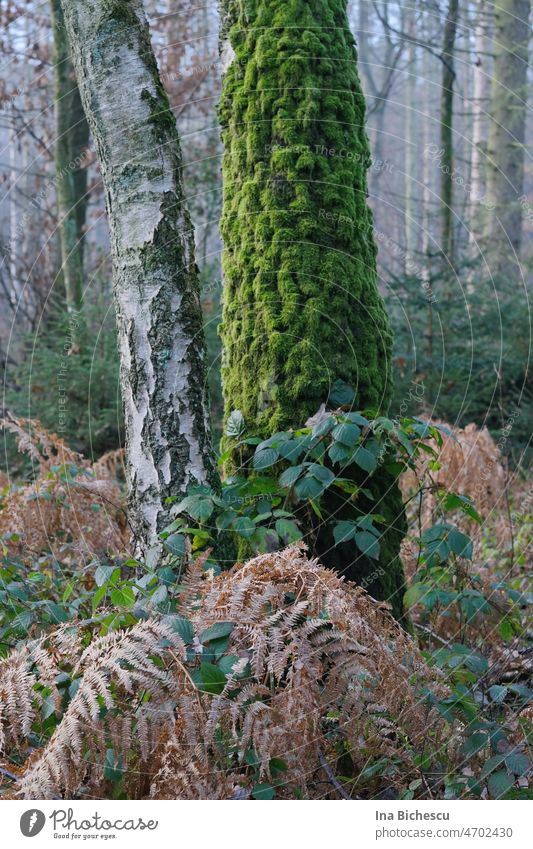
x=301, y=302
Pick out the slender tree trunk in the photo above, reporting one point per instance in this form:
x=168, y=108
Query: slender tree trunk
x=505, y=164
x=446, y=132
x=411, y=107
x=156, y=288
x=301, y=303
x=480, y=105
x=427, y=248
x=71, y=143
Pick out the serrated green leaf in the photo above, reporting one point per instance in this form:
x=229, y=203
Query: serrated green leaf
x=211, y=679
x=364, y=458
x=499, y=784
x=183, y=627
x=344, y=531
x=244, y=526
x=123, y=597
x=216, y=631
x=414, y=594
x=346, y=434
x=175, y=543
x=103, y=574
x=263, y=792
x=308, y=487
x=288, y=531
x=368, y=544
x=460, y=544
x=235, y=425
x=498, y=693
x=323, y=428
x=517, y=763
x=265, y=458
x=289, y=477
x=339, y=453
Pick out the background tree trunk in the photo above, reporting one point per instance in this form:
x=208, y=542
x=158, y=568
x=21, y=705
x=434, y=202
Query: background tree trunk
x=411, y=122
x=71, y=142
x=155, y=276
x=301, y=302
x=446, y=133
x=480, y=105
x=505, y=164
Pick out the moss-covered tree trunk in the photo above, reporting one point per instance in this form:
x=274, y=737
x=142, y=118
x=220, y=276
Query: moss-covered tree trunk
x=302, y=308
x=156, y=288
x=505, y=161
x=71, y=142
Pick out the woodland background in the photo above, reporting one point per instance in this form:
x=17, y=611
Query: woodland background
x=451, y=191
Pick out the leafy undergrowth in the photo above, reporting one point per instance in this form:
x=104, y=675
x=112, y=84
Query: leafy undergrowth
x=275, y=679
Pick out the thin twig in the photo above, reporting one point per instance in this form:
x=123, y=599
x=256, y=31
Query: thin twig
x=332, y=777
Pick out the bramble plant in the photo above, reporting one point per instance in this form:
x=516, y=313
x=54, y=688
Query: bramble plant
x=278, y=494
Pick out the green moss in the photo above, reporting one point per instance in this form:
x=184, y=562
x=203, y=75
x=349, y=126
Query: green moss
x=121, y=11
x=301, y=303
x=161, y=116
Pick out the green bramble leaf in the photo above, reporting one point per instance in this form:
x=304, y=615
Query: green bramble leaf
x=235, y=426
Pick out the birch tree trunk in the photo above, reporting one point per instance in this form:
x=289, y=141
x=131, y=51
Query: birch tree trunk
x=505, y=165
x=71, y=142
x=156, y=288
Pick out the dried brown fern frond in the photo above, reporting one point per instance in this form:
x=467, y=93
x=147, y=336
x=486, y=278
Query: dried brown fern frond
x=72, y=509
x=324, y=663
x=313, y=666
x=470, y=464
x=41, y=445
x=112, y=670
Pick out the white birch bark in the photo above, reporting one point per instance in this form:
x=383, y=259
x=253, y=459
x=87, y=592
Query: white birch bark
x=155, y=276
